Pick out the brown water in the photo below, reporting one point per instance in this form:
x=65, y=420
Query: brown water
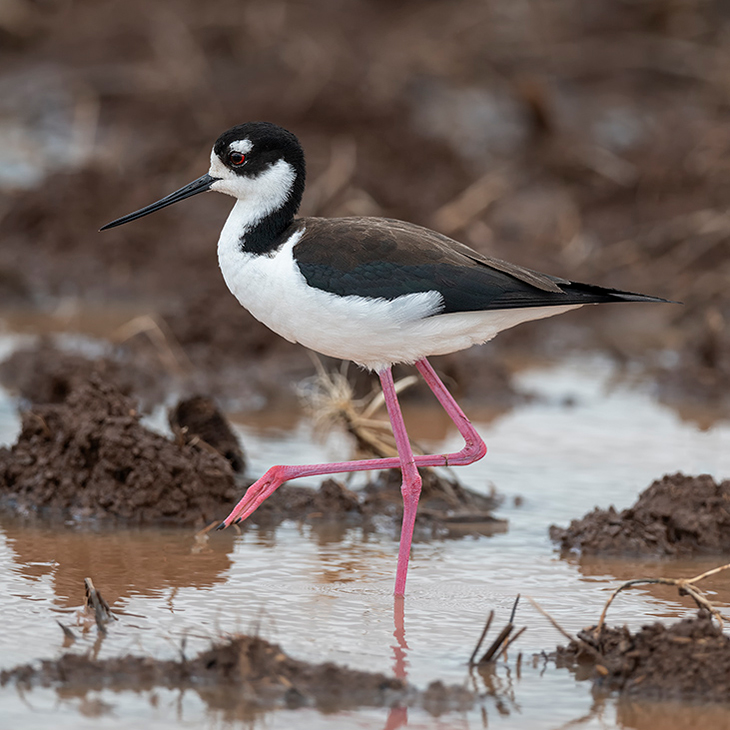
x=328, y=595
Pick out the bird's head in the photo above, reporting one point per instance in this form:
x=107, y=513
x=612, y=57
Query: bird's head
x=258, y=163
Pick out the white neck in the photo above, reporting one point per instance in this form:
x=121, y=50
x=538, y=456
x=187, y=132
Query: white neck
x=242, y=218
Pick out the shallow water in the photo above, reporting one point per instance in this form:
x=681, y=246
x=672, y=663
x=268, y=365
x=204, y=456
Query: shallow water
x=325, y=595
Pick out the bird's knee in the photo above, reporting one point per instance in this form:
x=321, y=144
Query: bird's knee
x=474, y=451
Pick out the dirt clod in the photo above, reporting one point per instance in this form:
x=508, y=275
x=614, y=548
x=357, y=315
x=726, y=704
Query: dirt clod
x=332, y=502
x=90, y=457
x=199, y=418
x=688, y=660
x=676, y=515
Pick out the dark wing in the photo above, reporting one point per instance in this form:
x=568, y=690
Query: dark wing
x=384, y=258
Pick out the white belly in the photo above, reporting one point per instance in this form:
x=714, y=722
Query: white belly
x=374, y=333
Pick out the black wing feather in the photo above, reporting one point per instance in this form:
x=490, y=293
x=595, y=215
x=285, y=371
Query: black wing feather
x=382, y=258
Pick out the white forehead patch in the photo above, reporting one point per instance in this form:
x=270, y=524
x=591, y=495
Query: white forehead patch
x=244, y=146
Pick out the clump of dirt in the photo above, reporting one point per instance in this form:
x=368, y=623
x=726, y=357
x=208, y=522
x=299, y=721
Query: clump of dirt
x=45, y=373
x=331, y=503
x=454, y=512
x=90, y=457
x=677, y=514
x=267, y=675
x=445, y=507
x=198, y=419
x=688, y=660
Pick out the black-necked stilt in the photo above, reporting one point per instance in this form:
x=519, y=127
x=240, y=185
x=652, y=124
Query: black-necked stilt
x=372, y=290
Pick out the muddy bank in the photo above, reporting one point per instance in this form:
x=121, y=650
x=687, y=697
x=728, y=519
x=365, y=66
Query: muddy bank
x=676, y=515
x=241, y=672
x=90, y=457
x=688, y=660
x=82, y=452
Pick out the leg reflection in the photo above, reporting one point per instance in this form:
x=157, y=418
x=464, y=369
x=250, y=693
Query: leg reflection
x=398, y=716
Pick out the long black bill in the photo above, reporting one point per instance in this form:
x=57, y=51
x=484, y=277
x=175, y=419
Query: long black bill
x=197, y=186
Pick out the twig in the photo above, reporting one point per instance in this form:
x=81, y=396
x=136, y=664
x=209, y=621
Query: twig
x=512, y=641
x=514, y=609
x=500, y=644
x=575, y=639
x=490, y=653
x=481, y=638
x=684, y=585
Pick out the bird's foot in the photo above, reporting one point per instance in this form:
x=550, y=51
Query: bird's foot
x=259, y=491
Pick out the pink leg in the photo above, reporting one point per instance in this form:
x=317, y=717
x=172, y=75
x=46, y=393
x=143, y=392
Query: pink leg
x=411, y=487
x=474, y=449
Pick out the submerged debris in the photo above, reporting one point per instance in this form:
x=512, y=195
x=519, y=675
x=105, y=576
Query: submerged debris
x=241, y=671
x=687, y=660
x=677, y=514
x=90, y=457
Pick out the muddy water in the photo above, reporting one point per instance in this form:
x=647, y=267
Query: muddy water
x=326, y=595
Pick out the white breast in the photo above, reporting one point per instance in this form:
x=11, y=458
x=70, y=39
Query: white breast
x=374, y=333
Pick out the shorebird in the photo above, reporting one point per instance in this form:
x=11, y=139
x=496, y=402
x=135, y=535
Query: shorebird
x=375, y=291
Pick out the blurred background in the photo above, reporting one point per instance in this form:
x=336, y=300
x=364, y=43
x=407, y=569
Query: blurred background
x=587, y=140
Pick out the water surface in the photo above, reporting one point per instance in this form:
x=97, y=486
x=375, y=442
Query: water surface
x=327, y=595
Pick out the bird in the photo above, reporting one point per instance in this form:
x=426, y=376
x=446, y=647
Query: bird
x=375, y=291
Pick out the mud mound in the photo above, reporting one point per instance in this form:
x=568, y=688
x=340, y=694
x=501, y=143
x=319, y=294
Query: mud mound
x=446, y=508
x=89, y=457
x=687, y=660
x=676, y=515
x=332, y=502
x=198, y=419
x=452, y=513
x=270, y=678
x=45, y=373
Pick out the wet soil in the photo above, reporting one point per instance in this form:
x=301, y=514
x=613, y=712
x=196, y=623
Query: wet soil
x=676, y=515
x=243, y=671
x=528, y=136
x=90, y=457
x=446, y=508
x=688, y=660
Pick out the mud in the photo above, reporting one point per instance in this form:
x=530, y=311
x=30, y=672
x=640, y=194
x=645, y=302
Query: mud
x=89, y=457
x=243, y=672
x=688, y=660
x=446, y=509
x=676, y=515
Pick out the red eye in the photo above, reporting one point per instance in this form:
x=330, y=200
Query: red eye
x=236, y=158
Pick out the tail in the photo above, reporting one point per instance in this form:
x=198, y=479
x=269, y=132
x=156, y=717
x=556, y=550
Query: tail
x=592, y=294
